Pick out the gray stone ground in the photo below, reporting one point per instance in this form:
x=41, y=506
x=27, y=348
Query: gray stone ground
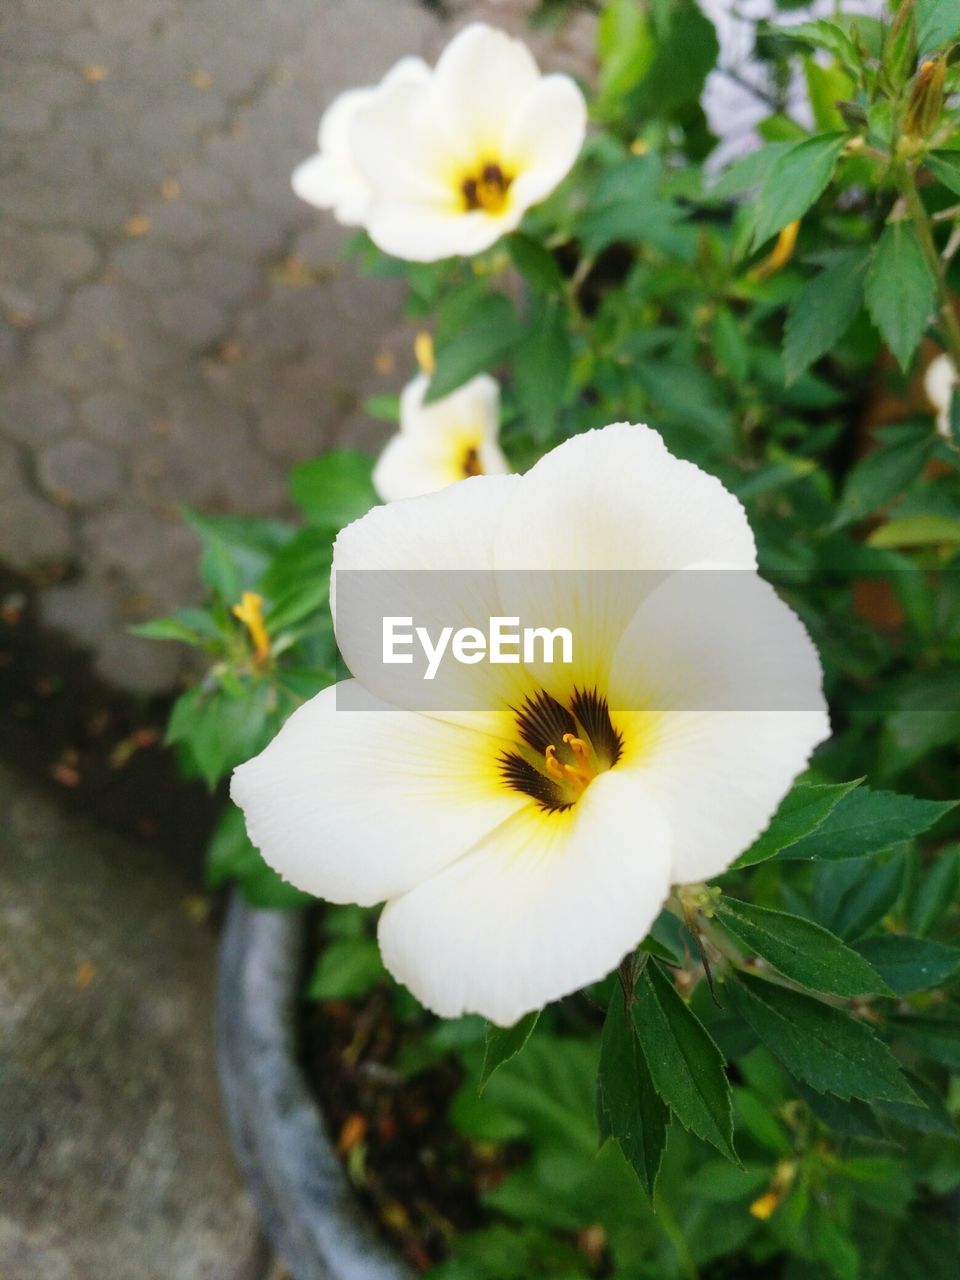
x=114, y=1162
x=175, y=326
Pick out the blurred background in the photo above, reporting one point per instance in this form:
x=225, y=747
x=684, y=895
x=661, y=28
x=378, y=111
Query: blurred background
x=176, y=329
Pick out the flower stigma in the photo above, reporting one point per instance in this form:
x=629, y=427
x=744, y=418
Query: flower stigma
x=487, y=189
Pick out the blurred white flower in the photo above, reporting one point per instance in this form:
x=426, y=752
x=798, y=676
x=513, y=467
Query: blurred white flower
x=330, y=179
x=938, y=382
x=524, y=846
x=441, y=443
x=440, y=163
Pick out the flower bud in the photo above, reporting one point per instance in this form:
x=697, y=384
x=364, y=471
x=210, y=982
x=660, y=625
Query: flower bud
x=926, y=98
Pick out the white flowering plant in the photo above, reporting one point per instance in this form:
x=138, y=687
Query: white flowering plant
x=690, y=900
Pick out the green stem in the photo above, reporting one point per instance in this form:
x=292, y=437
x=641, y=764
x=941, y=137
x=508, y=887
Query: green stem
x=906, y=181
x=674, y=1233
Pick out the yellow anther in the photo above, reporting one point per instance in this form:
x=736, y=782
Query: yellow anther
x=578, y=775
x=781, y=254
x=577, y=746
x=423, y=350
x=250, y=613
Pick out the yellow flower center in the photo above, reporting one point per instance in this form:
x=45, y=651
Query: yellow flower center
x=487, y=188
x=561, y=749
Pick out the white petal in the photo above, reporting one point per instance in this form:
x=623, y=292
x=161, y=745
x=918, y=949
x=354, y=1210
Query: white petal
x=428, y=232
x=544, y=138
x=610, y=500
x=429, y=558
x=939, y=381
x=360, y=805
x=474, y=407
x=330, y=183
x=409, y=467
x=543, y=906
x=723, y=705
x=481, y=78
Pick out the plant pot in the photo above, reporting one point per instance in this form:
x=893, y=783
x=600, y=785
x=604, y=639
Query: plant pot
x=308, y=1210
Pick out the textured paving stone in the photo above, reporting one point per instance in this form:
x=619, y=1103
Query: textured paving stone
x=79, y=471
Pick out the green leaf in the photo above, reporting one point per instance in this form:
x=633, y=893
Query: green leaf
x=794, y=181
x=542, y=369
x=190, y=626
x=937, y=22
x=822, y=312
x=491, y=331
x=345, y=969
x=945, y=166
x=730, y=345
x=826, y=35
x=231, y=856
x=820, y=1045
x=800, y=949
x=685, y=1064
x=236, y=551
x=334, y=489
x=535, y=263
x=550, y=1089
x=221, y=729
x=910, y=964
x=900, y=290
x=801, y=812
x=865, y=822
x=684, y=57
x=936, y=890
x=851, y=896
x=629, y=1108
x=626, y=46
x=748, y=171
x=936, y=1038
x=917, y=530
x=882, y=475
x=504, y=1043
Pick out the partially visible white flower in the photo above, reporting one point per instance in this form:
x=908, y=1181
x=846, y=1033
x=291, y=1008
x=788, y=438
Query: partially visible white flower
x=454, y=161
x=441, y=443
x=523, y=848
x=938, y=382
x=330, y=179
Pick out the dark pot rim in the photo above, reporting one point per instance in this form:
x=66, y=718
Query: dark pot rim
x=309, y=1213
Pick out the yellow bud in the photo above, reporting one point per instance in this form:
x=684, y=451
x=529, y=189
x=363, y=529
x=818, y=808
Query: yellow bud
x=639, y=147
x=250, y=613
x=423, y=350
x=766, y=1205
x=780, y=255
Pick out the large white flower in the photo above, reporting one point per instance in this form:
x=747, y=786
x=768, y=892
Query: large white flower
x=450, y=160
x=330, y=179
x=938, y=382
x=525, y=843
x=441, y=443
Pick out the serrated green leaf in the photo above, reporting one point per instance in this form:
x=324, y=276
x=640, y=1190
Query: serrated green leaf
x=730, y=346
x=882, y=475
x=629, y=1108
x=685, y=1064
x=867, y=821
x=334, y=489
x=937, y=22
x=504, y=1043
x=826, y=35
x=822, y=312
x=819, y=1044
x=794, y=181
x=910, y=964
x=936, y=890
x=800, y=949
x=749, y=171
x=900, y=290
x=236, y=551
x=800, y=813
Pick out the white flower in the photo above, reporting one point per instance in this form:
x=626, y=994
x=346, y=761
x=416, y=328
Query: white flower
x=525, y=846
x=450, y=160
x=441, y=443
x=330, y=179
x=939, y=382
